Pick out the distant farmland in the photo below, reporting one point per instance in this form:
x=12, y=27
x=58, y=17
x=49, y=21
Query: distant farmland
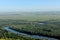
x=31, y=17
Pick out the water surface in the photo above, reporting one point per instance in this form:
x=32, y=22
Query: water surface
x=28, y=35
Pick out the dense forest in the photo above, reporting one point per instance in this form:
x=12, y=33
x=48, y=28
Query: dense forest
x=49, y=28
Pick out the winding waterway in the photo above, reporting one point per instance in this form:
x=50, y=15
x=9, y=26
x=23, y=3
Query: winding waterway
x=28, y=35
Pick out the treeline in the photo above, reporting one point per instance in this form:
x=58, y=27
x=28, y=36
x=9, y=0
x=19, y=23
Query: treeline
x=50, y=29
x=11, y=36
x=7, y=35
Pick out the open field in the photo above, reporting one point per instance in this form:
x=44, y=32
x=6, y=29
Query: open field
x=31, y=17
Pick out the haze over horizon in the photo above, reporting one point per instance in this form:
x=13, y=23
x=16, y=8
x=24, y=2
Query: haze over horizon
x=29, y=5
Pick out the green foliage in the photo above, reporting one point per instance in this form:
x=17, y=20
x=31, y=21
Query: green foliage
x=49, y=28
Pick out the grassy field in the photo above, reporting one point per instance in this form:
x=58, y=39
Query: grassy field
x=31, y=17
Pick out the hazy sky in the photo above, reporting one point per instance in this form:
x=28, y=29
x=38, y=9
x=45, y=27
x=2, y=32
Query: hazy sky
x=29, y=5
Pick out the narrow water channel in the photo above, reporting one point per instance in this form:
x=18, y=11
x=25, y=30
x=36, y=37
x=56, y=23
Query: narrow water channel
x=27, y=35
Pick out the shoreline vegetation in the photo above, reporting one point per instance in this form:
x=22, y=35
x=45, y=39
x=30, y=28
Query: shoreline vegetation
x=29, y=33
x=35, y=27
x=46, y=25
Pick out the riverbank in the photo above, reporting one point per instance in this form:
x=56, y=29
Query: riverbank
x=29, y=35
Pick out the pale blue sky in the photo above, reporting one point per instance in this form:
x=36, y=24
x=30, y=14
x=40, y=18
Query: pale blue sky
x=29, y=5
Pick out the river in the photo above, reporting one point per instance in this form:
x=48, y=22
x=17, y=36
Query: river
x=28, y=35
